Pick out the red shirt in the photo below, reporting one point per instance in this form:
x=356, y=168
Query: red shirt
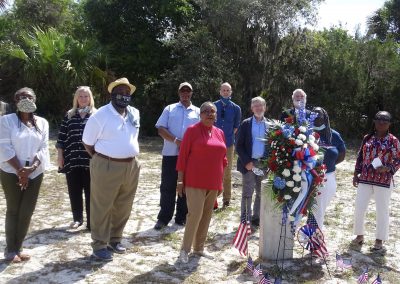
x=202, y=157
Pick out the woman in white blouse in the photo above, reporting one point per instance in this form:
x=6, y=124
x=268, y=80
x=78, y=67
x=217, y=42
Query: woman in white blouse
x=24, y=156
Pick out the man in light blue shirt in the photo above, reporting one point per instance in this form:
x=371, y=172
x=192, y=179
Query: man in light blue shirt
x=171, y=125
x=228, y=119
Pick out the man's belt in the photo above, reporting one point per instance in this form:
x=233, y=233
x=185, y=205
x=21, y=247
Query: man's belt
x=125, y=160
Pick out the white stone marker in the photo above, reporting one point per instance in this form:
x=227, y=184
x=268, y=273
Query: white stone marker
x=270, y=231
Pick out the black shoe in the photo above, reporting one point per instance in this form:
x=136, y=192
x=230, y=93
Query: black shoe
x=226, y=204
x=180, y=223
x=159, y=225
x=255, y=222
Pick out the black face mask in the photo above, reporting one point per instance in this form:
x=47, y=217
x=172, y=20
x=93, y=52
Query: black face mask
x=120, y=100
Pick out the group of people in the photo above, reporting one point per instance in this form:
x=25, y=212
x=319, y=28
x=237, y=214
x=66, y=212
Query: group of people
x=98, y=148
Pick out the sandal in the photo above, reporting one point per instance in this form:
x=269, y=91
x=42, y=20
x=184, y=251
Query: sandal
x=377, y=248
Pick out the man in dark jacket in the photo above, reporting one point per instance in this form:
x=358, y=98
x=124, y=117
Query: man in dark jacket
x=250, y=146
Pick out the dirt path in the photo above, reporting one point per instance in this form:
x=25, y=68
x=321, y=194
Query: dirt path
x=61, y=255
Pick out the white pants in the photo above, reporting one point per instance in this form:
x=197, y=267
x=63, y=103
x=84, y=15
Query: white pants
x=328, y=191
x=382, y=199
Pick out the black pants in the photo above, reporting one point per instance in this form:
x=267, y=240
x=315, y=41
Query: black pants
x=169, y=176
x=78, y=180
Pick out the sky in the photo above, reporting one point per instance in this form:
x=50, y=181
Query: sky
x=349, y=13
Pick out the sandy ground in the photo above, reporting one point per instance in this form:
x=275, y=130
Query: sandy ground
x=62, y=255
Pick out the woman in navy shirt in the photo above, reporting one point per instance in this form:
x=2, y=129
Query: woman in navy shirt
x=335, y=151
x=73, y=160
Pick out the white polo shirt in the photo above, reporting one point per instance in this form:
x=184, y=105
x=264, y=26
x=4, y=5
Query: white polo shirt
x=112, y=134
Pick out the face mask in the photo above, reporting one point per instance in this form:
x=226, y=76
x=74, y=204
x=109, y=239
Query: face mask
x=120, y=100
x=299, y=104
x=26, y=105
x=319, y=128
x=225, y=100
x=84, y=109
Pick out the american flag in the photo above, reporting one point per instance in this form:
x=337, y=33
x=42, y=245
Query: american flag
x=249, y=264
x=257, y=271
x=241, y=238
x=340, y=262
x=377, y=280
x=265, y=279
x=319, y=244
x=363, y=278
x=311, y=220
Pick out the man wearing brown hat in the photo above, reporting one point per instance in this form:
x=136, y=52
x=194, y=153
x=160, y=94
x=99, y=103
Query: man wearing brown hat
x=111, y=138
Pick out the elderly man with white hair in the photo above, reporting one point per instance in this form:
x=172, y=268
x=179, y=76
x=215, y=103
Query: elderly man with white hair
x=299, y=98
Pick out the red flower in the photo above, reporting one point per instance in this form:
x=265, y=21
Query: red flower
x=273, y=166
x=289, y=119
x=288, y=164
x=316, y=135
x=278, y=132
x=296, y=131
x=292, y=142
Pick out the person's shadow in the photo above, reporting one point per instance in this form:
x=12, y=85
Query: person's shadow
x=169, y=273
x=68, y=272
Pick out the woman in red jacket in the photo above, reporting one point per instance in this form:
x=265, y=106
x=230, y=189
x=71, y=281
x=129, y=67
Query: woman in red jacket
x=200, y=166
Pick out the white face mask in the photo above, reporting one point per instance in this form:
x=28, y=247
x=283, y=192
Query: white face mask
x=319, y=128
x=299, y=104
x=26, y=105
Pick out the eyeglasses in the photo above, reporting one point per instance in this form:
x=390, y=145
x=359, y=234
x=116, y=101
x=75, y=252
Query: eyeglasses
x=209, y=111
x=382, y=120
x=122, y=96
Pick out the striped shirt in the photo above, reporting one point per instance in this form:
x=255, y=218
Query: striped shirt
x=70, y=140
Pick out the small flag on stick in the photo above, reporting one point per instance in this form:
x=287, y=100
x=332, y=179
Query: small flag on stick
x=240, y=241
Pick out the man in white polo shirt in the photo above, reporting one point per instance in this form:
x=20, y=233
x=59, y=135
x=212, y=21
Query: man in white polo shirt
x=111, y=138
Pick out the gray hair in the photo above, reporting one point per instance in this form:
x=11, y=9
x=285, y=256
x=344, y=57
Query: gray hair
x=258, y=100
x=25, y=90
x=205, y=104
x=226, y=84
x=299, y=91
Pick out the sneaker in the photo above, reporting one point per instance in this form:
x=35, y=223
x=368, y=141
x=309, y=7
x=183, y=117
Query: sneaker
x=116, y=247
x=159, y=225
x=203, y=254
x=74, y=224
x=12, y=256
x=183, y=257
x=102, y=254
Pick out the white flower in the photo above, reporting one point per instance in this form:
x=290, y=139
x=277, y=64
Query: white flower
x=302, y=129
x=311, y=138
x=299, y=142
x=305, y=145
x=296, y=167
x=315, y=147
x=302, y=137
x=287, y=196
x=286, y=173
x=297, y=177
x=296, y=189
x=290, y=183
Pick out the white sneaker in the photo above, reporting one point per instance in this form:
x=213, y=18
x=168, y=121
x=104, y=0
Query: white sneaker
x=183, y=257
x=74, y=225
x=204, y=254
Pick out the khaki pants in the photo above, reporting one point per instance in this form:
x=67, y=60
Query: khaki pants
x=113, y=187
x=226, y=196
x=200, y=203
